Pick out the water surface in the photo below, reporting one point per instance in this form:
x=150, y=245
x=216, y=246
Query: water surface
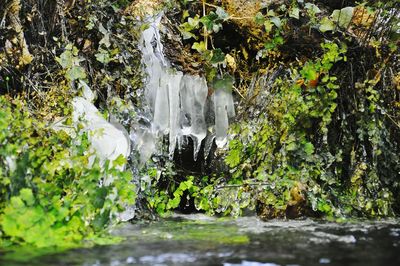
x=200, y=240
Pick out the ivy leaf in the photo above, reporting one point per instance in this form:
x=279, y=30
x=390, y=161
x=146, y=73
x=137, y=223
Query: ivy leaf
x=312, y=8
x=277, y=21
x=268, y=26
x=76, y=72
x=217, y=56
x=120, y=161
x=66, y=59
x=199, y=47
x=309, y=148
x=259, y=18
x=187, y=34
x=343, y=16
x=291, y=146
x=209, y=21
x=294, y=13
x=326, y=25
x=271, y=13
x=27, y=196
x=194, y=22
x=103, y=56
x=106, y=38
x=221, y=13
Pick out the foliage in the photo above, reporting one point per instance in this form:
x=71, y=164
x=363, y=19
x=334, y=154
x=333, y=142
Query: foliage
x=317, y=130
x=50, y=194
x=93, y=41
x=317, y=138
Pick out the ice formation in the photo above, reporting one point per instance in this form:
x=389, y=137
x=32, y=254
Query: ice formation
x=107, y=140
x=177, y=103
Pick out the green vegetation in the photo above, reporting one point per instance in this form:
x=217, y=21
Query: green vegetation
x=320, y=136
x=317, y=130
x=50, y=194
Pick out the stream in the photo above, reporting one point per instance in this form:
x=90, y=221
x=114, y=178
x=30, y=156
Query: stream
x=201, y=240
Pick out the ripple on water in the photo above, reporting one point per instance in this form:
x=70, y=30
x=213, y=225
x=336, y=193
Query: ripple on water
x=250, y=263
x=198, y=240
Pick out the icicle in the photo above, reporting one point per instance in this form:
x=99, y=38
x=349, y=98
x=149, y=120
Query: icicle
x=198, y=129
x=178, y=103
x=161, y=108
x=174, y=86
x=208, y=143
x=221, y=117
x=186, y=100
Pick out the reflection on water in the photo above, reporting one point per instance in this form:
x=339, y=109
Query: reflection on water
x=247, y=241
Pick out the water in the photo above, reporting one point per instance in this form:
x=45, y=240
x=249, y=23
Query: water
x=199, y=240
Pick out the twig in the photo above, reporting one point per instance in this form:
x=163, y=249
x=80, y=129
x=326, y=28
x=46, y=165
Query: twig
x=238, y=92
x=391, y=119
x=204, y=27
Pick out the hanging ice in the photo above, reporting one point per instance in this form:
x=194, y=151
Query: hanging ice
x=221, y=117
x=174, y=87
x=177, y=102
x=193, y=97
x=198, y=129
x=107, y=140
x=161, y=108
x=144, y=141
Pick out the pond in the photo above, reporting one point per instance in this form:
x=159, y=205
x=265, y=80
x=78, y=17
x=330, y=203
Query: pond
x=247, y=241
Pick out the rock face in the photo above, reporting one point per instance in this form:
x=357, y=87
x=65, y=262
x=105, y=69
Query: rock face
x=177, y=103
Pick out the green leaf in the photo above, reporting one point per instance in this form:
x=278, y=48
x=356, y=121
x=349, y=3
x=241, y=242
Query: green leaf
x=309, y=148
x=209, y=21
x=343, y=16
x=103, y=56
x=268, y=26
x=277, y=21
x=259, y=18
x=294, y=13
x=217, y=56
x=119, y=161
x=291, y=146
x=233, y=158
x=66, y=59
x=217, y=27
x=221, y=13
x=76, y=72
x=326, y=25
x=27, y=196
x=312, y=8
x=309, y=72
x=199, y=47
x=194, y=22
x=17, y=203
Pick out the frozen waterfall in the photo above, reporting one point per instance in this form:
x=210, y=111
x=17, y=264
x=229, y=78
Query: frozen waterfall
x=177, y=102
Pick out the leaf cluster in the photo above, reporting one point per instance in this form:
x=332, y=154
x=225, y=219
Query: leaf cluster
x=50, y=194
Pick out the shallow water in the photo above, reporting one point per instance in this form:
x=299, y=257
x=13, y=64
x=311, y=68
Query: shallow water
x=200, y=240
